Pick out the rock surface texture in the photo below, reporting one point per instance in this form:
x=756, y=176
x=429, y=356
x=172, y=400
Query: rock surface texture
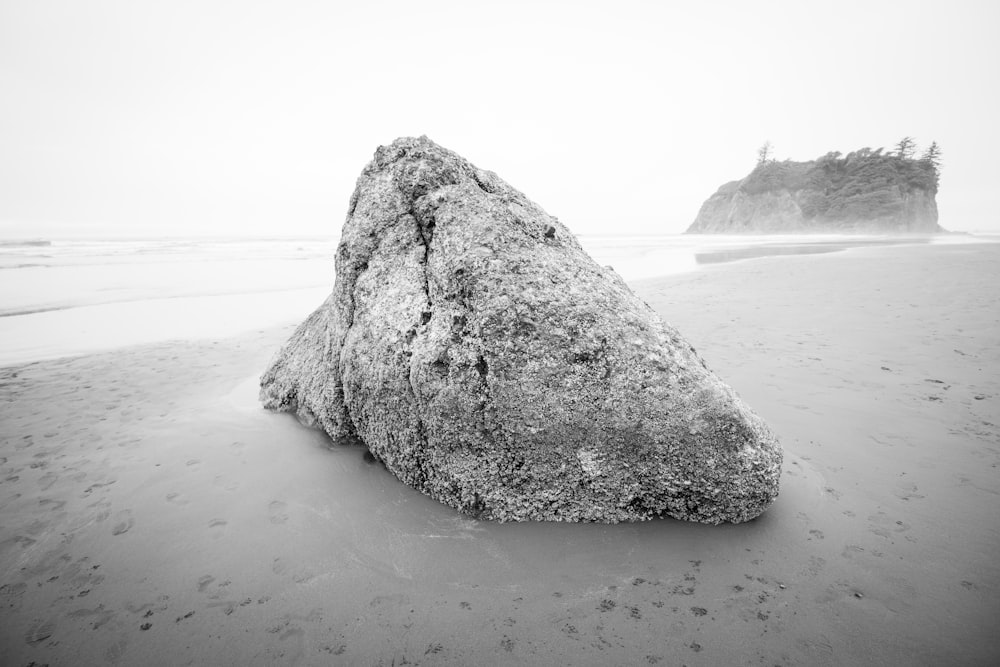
x=864, y=192
x=478, y=352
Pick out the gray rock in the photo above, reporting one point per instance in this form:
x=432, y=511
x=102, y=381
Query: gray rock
x=474, y=347
x=865, y=192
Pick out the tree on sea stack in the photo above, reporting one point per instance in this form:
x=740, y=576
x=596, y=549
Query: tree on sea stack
x=932, y=156
x=764, y=153
x=475, y=349
x=906, y=147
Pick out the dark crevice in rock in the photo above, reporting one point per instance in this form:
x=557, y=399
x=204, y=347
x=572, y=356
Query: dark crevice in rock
x=425, y=230
x=483, y=369
x=440, y=366
x=595, y=357
x=482, y=184
x=357, y=269
x=348, y=419
x=353, y=205
x=333, y=353
x=458, y=323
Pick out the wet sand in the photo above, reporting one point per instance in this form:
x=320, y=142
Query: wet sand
x=151, y=513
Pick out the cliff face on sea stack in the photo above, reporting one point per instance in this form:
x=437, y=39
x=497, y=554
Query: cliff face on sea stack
x=478, y=352
x=864, y=192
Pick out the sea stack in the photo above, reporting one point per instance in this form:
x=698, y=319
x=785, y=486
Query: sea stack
x=864, y=192
x=474, y=348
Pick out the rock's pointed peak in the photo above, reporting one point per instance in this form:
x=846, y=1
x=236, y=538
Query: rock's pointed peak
x=418, y=165
x=415, y=149
x=474, y=348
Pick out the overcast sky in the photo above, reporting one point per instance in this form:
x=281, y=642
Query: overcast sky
x=132, y=117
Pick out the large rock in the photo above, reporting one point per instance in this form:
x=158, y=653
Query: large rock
x=474, y=347
x=864, y=192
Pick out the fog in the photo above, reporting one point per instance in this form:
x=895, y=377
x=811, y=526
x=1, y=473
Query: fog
x=231, y=118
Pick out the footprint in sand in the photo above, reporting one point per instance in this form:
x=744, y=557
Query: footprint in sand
x=299, y=575
x=881, y=532
x=203, y=582
x=224, y=482
x=39, y=632
x=882, y=525
x=124, y=522
x=47, y=480
x=11, y=594
x=102, y=510
x=97, y=617
x=116, y=651
x=176, y=498
x=816, y=564
x=818, y=534
x=228, y=606
x=97, y=485
x=276, y=511
x=217, y=526
x=52, y=505
x=907, y=491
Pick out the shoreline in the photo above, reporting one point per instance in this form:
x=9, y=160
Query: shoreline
x=92, y=312
x=95, y=329
x=144, y=486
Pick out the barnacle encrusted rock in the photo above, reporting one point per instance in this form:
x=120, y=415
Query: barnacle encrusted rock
x=474, y=347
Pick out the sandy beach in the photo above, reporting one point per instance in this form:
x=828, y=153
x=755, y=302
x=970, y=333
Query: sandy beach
x=152, y=514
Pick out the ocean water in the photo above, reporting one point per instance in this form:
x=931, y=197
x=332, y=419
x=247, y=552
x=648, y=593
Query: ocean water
x=64, y=297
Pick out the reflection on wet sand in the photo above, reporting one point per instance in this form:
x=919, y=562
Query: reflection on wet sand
x=733, y=254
